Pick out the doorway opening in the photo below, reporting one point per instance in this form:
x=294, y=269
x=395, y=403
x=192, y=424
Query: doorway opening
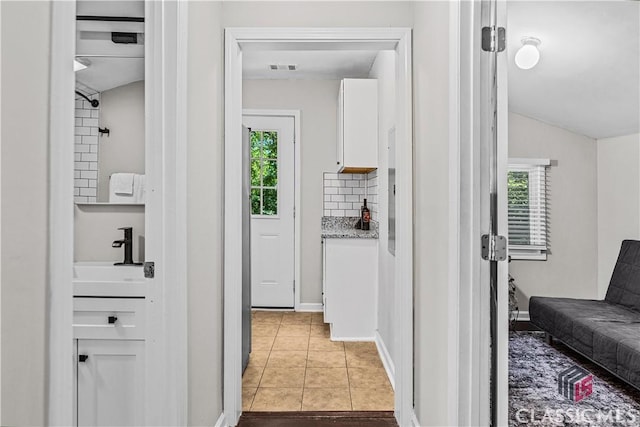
x=79, y=292
x=241, y=43
x=591, y=140
x=303, y=358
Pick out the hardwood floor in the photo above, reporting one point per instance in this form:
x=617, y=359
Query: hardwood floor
x=318, y=419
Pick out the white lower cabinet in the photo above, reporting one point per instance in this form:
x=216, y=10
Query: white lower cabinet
x=350, y=283
x=109, y=337
x=110, y=378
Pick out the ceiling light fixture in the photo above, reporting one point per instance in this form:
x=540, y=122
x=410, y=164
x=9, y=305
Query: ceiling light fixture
x=528, y=55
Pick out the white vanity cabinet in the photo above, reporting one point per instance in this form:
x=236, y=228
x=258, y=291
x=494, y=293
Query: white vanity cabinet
x=350, y=282
x=110, y=390
x=109, y=331
x=357, y=141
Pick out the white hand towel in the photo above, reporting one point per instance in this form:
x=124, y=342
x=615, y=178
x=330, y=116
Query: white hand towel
x=121, y=183
x=139, y=188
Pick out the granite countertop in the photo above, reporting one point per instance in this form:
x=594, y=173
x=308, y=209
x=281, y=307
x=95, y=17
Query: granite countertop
x=334, y=227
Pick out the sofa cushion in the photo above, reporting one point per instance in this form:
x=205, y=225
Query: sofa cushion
x=624, y=287
x=607, y=333
x=629, y=360
x=608, y=343
x=561, y=318
x=556, y=314
x=574, y=321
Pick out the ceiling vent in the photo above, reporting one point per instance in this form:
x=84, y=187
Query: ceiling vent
x=281, y=67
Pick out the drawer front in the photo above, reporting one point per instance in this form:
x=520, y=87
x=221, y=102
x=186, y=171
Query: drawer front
x=109, y=318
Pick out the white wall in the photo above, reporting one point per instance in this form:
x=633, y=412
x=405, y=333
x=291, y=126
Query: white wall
x=25, y=137
x=205, y=161
x=96, y=227
x=571, y=266
x=384, y=69
x=122, y=112
x=317, y=101
x=317, y=14
x=618, y=200
x=431, y=214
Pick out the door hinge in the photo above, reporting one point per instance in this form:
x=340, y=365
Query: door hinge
x=149, y=269
x=493, y=39
x=494, y=248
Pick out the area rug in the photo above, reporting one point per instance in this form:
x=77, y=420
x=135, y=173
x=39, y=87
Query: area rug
x=534, y=399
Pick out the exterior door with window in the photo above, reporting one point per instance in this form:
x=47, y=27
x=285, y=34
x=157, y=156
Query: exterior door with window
x=272, y=210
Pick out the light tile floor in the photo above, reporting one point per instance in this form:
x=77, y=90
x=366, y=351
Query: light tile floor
x=294, y=366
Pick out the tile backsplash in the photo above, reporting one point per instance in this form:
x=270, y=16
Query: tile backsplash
x=86, y=149
x=344, y=194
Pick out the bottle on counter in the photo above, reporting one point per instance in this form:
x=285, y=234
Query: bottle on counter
x=365, y=216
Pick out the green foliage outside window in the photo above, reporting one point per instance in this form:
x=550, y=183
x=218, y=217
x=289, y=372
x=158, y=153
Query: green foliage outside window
x=264, y=172
x=518, y=205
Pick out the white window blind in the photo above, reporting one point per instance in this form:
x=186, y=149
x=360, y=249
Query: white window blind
x=527, y=208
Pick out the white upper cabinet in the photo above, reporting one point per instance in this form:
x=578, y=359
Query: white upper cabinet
x=357, y=126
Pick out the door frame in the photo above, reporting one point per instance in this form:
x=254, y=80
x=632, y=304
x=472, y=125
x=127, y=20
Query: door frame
x=237, y=39
x=469, y=352
x=295, y=114
x=166, y=128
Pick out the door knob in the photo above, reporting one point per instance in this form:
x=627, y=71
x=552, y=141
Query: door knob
x=82, y=358
x=112, y=320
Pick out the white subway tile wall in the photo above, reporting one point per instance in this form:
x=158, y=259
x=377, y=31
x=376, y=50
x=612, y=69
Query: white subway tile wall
x=372, y=191
x=86, y=149
x=344, y=194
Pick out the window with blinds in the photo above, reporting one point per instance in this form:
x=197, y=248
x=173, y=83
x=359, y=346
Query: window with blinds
x=527, y=208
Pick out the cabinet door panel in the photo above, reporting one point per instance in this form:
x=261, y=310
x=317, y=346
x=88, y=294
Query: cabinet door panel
x=351, y=281
x=111, y=383
x=360, y=124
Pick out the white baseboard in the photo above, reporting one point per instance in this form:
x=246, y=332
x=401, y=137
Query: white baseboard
x=310, y=306
x=523, y=316
x=355, y=339
x=386, y=359
x=222, y=422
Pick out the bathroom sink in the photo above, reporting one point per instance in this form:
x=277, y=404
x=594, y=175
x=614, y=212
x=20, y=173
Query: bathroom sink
x=103, y=279
x=106, y=272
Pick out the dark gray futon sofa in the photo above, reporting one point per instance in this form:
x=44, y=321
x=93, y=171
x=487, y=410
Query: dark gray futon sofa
x=608, y=331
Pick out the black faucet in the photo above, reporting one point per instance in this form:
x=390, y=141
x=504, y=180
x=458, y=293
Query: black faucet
x=128, y=247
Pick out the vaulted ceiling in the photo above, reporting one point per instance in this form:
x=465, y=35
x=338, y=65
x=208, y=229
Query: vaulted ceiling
x=588, y=77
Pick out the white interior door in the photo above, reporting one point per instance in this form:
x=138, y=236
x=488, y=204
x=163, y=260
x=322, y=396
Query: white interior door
x=272, y=210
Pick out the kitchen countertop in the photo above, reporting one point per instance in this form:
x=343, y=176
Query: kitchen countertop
x=334, y=227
